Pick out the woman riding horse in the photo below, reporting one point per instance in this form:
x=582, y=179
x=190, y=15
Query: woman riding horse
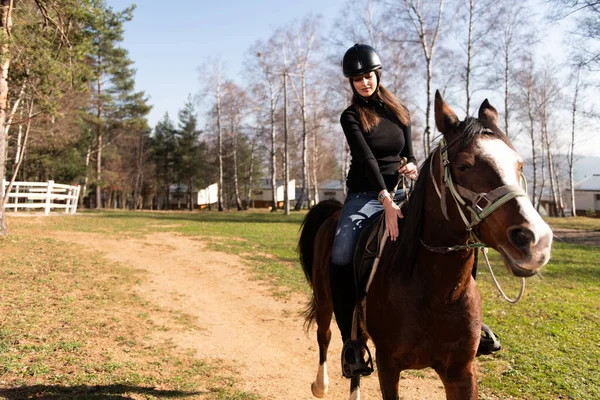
x=422, y=308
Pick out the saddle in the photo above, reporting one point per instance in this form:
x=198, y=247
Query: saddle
x=369, y=246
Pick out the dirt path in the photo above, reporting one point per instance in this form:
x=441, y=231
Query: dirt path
x=243, y=326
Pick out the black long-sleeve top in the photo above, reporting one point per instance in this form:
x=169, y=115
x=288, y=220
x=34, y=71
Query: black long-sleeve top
x=376, y=154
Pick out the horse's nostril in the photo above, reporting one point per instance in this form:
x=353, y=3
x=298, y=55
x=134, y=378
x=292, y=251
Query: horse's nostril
x=521, y=237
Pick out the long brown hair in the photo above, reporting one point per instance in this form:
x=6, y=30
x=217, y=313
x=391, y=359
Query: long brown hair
x=368, y=117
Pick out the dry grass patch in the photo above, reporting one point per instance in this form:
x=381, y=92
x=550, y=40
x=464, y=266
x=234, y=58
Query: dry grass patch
x=73, y=327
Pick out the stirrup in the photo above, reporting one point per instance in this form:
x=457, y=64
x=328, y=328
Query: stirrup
x=488, y=343
x=353, y=351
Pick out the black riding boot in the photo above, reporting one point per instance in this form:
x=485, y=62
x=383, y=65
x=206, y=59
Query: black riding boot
x=343, y=293
x=488, y=343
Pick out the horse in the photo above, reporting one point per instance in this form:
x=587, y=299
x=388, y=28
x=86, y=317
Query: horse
x=422, y=308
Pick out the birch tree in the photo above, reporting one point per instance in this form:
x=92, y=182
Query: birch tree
x=514, y=35
x=303, y=40
x=425, y=19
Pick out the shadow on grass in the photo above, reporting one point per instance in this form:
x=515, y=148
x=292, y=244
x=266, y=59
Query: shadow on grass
x=88, y=392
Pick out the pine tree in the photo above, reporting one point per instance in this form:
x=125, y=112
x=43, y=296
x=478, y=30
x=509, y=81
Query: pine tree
x=191, y=157
x=164, y=150
x=113, y=77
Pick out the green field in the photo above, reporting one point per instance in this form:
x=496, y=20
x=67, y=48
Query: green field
x=51, y=296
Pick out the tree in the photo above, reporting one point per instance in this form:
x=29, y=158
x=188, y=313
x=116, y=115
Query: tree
x=304, y=40
x=190, y=157
x=113, y=76
x=164, y=153
x=265, y=58
x=480, y=17
x=515, y=36
x=547, y=96
x=235, y=103
x=39, y=43
x=586, y=14
x=526, y=80
x=425, y=18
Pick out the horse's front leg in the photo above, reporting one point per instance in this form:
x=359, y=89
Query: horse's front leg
x=460, y=382
x=389, y=375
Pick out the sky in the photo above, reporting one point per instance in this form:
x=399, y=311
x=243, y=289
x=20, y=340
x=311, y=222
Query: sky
x=168, y=41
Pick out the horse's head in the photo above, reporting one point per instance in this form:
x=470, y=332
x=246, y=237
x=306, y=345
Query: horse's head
x=484, y=175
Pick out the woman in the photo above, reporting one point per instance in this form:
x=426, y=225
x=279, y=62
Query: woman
x=377, y=128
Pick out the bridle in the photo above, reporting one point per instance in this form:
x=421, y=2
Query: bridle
x=472, y=201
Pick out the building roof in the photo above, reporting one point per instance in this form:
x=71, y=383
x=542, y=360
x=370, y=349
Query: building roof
x=589, y=184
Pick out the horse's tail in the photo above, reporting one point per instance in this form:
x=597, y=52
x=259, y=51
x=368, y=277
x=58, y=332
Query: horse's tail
x=313, y=221
x=309, y=228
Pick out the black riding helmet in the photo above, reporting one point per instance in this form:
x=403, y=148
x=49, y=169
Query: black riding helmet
x=360, y=59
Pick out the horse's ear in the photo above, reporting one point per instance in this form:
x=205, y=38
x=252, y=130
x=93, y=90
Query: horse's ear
x=445, y=118
x=488, y=114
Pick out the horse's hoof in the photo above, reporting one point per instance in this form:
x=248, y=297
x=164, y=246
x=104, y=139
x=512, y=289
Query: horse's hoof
x=317, y=391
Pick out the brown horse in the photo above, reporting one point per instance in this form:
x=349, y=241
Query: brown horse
x=423, y=308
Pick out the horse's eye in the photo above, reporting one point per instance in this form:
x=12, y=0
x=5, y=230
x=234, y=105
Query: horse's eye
x=464, y=167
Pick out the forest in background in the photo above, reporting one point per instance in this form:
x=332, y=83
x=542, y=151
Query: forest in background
x=69, y=110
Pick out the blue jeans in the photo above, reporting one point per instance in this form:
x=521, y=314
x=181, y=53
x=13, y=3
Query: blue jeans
x=360, y=209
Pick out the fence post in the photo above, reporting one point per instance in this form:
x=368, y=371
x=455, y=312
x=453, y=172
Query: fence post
x=75, y=199
x=69, y=199
x=49, y=197
x=16, y=197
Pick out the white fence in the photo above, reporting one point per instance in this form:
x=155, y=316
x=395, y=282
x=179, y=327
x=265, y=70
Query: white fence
x=41, y=195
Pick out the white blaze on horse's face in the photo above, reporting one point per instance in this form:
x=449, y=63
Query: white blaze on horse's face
x=528, y=246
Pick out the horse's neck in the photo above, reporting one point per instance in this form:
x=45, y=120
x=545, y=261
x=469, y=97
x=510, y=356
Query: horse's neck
x=445, y=274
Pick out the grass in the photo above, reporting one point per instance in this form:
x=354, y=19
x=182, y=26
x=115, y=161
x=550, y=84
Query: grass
x=550, y=338
x=72, y=328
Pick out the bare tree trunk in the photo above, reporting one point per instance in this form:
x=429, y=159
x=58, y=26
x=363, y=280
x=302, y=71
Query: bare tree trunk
x=415, y=16
x=571, y=155
x=469, y=56
x=20, y=155
x=238, y=201
x=19, y=143
x=6, y=7
x=315, y=163
x=139, y=176
x=273, y=155
x=560, y=204
x=99, y=138
x=304, y=190
x=529, y=86
x=219, y=143
x=506, y=91
x=250, y=175
x=286, y=159
x=542, y=175
x=87, y=169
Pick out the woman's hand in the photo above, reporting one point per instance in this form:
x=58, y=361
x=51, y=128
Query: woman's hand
x=409, y=170
x=392, y=213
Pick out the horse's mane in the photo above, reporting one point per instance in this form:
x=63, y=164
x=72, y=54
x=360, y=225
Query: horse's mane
x=404, y=252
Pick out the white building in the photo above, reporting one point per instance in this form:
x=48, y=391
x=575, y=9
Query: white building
x=263, y=196
x=587, y=195
x=208, y=196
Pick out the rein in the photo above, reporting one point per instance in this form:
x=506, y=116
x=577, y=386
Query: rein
x=494, y=199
